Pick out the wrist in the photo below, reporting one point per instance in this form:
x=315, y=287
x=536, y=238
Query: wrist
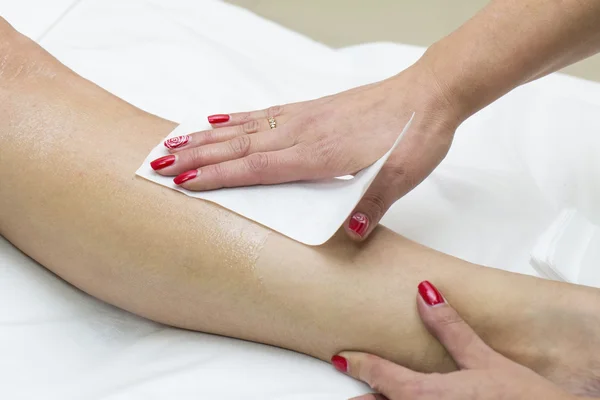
x=450, y=81
x=466, y=77
x=421, y=91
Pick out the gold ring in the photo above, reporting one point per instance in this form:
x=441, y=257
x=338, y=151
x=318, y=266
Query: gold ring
x=272, y=122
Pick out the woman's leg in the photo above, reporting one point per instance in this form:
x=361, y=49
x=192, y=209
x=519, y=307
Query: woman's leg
x=70, y=200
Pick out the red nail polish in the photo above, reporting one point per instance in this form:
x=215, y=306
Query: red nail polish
x=218, y=118
x=162, y=162
x=186, y=176
x=340, y=363
x=430, y=294
x=176, y=142
x=359, y=223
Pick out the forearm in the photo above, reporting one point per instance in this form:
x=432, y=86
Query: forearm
x=509, y=43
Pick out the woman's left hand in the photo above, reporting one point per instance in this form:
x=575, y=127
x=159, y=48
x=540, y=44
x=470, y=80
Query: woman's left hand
x=484, y=374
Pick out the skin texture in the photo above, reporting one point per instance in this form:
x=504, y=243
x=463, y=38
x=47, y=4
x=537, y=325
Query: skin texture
x=507, y=44
x=70, y=200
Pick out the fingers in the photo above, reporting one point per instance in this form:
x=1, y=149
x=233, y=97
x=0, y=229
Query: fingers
x=460, y=340
x=254, y=169
x=211, y=136
x=380, y=196
x=222, y=120
x=233, y=119
x=383, y=376
x=236, y=148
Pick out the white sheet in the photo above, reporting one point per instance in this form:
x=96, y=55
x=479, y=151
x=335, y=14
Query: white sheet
x=512, y=168
x=35, y=18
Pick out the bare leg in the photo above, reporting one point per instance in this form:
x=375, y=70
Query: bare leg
x=70, y=200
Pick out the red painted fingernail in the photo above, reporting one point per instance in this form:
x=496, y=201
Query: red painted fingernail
x=430, y=294
x=186, y=176
x=359, y=223
x=218, y=118
x=340, y=363
x=176, y=142
x=162, y=162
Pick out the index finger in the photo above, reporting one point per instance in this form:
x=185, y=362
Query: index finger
x=465, y=346
x=240, y=118
x=265, y=168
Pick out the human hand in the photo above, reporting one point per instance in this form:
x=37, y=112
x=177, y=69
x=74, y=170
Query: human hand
x=483, y=373
x=324, y=138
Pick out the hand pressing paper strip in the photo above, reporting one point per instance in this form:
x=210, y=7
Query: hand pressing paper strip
x=309, y=212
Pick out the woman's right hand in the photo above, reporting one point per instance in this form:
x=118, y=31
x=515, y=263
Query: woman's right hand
x=332, y=136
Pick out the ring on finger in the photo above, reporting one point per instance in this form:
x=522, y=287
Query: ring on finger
x=272, y=122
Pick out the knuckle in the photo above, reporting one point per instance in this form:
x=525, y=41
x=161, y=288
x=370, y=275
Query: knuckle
x=211, y=136
x=250, y=127
x=215, y=171
x=274, y=111
x=448, y=318
x=208, y=136
x=326, y=149
x=398, y=174
x=401, y=178
x=304, y=158
x=327, y=154
x=195, y=154
x=244, y=117
x=373, y=371
x=240, y=145
x=376, y=203
x=257, y=162
x=303, y=153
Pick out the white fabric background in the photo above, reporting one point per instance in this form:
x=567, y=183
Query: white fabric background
x=512, y=168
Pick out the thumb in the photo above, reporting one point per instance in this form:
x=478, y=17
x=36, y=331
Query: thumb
x=418, y=153
x=380, y=196
x=467, y=349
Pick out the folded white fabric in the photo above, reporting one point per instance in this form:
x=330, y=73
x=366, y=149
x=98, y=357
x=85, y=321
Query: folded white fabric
x=569, y=250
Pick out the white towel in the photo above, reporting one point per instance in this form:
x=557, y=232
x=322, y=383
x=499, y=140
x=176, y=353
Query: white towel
x=569, y=250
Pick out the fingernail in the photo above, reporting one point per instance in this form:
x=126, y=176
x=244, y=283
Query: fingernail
x=359, y=223
x=162, y=162
x=186, y=176
x=340, y=363
x=430, y=294
x=176, y=142
x=218, y=118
